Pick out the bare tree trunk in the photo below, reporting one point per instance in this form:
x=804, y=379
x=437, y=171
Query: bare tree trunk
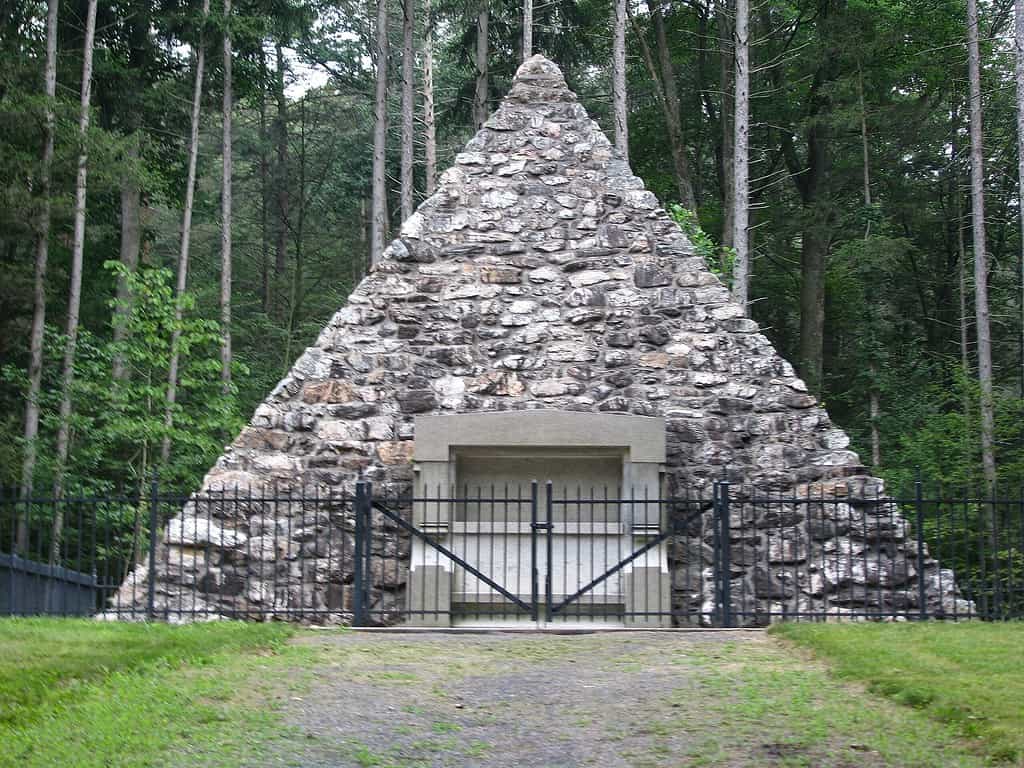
x=264, y=189
x=874, y=396
x=813, y=255
x=865, y=154
x=1019, y=46
x=620, y=108
x=364, y=222
x=665, y=89
x=741, y=156
x=429, y=127
x=75, y=291
x=35, y=362
x=281, y=168
x=378, y=214
x=480, y=94
x=131, y=231
x=186, y=241
x=527, y=29
x=981, y=311
x=726, y=113
x=961, y=252
x=965, y=340
x=225, y=210
x=297, y=231
x=408, y=62
x=684, y=178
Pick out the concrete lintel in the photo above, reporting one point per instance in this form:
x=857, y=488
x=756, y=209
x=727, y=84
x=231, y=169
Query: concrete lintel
x=643, y=436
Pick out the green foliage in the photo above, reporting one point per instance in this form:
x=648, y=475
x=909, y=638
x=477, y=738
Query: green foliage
x=118, y=426
x=719, y=259
x=967, y=675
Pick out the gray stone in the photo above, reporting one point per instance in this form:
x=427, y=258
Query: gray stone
x=542, y=276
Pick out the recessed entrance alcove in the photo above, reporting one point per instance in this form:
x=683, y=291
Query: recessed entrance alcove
x=542, y=503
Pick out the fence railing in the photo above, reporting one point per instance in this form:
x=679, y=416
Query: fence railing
x=725, y=555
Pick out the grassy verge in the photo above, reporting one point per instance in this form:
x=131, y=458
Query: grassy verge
x=764, y=705
x=968, y=675
x=91, y=694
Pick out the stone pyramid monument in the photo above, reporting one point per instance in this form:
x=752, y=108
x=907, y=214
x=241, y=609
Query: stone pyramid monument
x=540, y=276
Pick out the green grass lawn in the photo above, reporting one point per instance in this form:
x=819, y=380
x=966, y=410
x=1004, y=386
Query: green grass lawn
x=969, y=675
x=82, y=693
x=112, y=695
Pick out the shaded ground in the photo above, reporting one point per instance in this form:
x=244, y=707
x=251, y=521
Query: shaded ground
x=644, y=700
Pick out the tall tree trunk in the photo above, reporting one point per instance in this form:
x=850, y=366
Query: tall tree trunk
x=965, y=341
x=813, y=256
x=664, y=80
x=378, y=213
x=741, y=156
x=429, y=126
x=527, y=29
x=684, y=178
x=131, y=233
x=297, y=231
x=961, y=252
x=981, y=311
x=874, y=396
x=42, y=243
x=620, y=108
x=281, y=167
x=726, y=113
x=1019, y=73
x=408, y=62
x=75, y=290
x=480, y=93
x=225, y=210
x=264, y=188
x=700, y=97
x=186, y=241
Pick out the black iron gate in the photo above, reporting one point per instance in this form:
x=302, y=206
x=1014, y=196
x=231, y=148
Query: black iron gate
x=717, y=555
x=532, y=555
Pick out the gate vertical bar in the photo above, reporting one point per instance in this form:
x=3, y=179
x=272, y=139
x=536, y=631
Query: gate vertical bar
x=359, y=598
x=535, y=580
x=550, y=558
x=154, y=501
x=368, y=551
x=725, y=558
x=922, y=604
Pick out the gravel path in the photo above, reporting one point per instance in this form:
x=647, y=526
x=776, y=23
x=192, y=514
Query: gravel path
x=643, y=700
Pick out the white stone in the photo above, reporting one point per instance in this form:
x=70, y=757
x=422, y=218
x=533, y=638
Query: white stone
x=522, y=307
x=499, y=198
x=588, y=277
x=412, y=227
x=199, y=531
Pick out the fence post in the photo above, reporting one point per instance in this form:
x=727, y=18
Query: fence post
x=922, y=604
x=154, y=518
x=358, y=564
x=535, y=576
x=725, y=541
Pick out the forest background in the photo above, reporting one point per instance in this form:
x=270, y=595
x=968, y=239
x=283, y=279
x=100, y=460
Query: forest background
x=202, y=273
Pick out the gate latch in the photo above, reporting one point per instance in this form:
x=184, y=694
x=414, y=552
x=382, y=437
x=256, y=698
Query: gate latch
x=542, y=526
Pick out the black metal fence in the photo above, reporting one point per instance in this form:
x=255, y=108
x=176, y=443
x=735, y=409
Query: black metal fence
x=724, y=555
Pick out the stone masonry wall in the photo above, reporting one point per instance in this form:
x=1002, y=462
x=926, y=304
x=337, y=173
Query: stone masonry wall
x=541, y=275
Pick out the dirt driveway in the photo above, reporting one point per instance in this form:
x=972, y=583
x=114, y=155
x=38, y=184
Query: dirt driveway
x=639, y=699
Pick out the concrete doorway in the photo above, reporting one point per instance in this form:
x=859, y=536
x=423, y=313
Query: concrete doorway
x=538, y=518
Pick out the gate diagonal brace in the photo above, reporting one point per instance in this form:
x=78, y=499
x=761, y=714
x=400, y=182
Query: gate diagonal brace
x=622, y=564
x=403, y=523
